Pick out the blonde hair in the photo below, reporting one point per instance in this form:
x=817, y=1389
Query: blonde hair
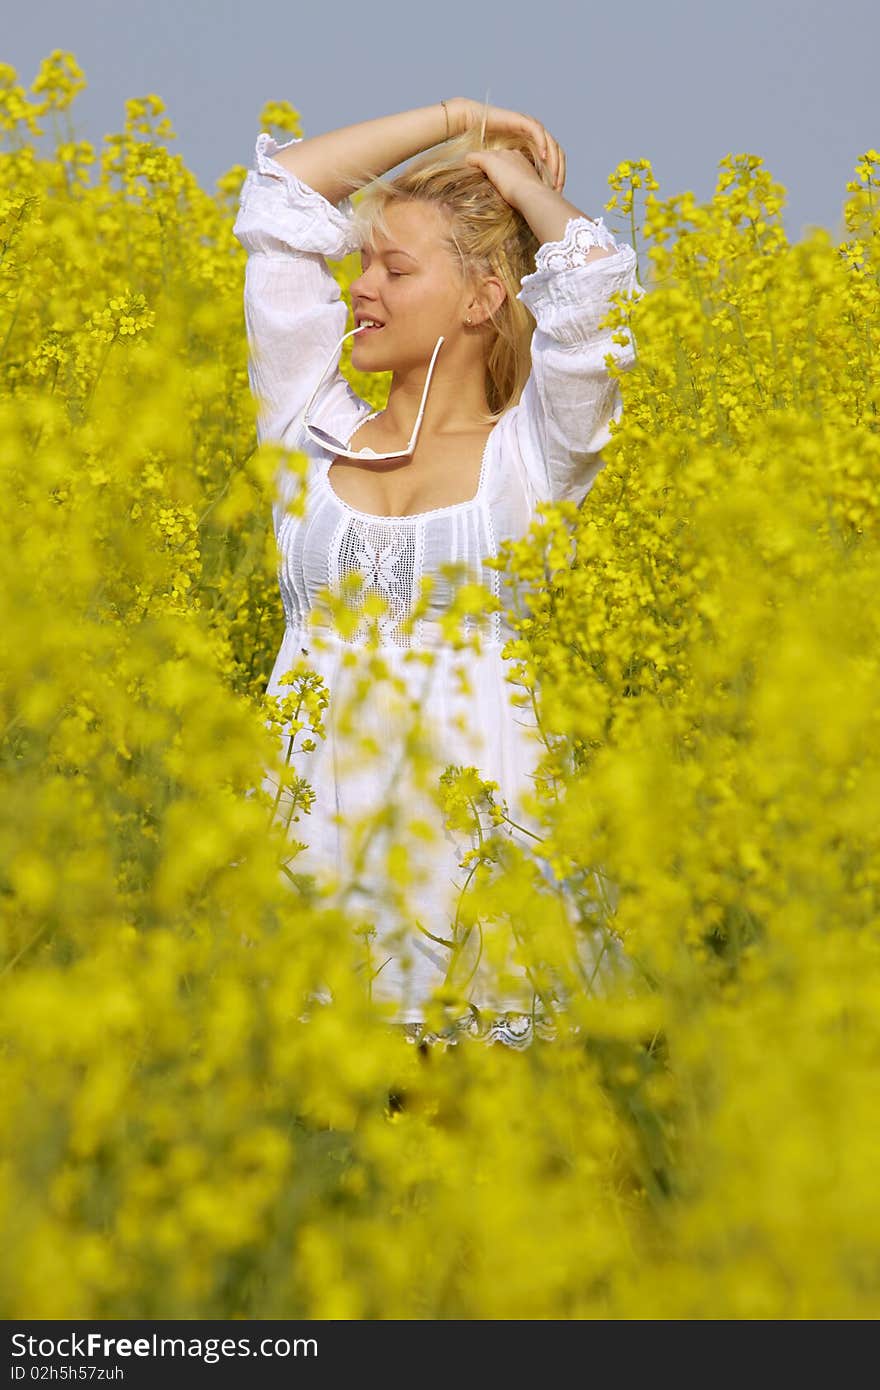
x=486, y=234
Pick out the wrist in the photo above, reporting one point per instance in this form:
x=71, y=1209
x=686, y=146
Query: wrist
x=457, y=108
x=546, y=211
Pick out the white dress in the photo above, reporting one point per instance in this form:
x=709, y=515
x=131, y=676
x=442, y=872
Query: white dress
x=545, y=448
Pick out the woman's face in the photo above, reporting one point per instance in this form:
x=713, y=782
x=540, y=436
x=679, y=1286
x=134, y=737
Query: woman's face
x=412, y=285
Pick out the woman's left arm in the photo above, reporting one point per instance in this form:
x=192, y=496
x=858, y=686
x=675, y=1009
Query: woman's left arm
x=548, y=215
x=563, y=417
x=562, y=420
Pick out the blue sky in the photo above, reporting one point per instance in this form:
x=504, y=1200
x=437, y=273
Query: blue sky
x=679, y=83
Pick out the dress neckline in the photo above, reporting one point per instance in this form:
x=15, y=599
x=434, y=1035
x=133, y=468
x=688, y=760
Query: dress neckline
x=411, y=516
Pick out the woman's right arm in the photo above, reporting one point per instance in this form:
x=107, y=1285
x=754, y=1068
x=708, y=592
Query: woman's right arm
x=292, y=215
x=338, y=162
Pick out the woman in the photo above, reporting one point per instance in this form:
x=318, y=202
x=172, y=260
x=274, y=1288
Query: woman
x=481, y=290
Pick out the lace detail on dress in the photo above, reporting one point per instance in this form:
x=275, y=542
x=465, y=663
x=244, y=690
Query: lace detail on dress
x=579, y=237
x=386, y=558
x=377, y=557
x=511, y=1029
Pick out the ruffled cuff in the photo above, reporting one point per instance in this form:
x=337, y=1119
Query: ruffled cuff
x=580, y=236
x=278, y=207
x=569, y=295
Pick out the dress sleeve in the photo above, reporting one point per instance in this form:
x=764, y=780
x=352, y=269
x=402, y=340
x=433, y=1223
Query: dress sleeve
x=563, y=414
x=293, y=308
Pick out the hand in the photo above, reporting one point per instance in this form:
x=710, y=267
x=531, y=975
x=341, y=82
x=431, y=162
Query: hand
x=509, y=170
x=464, y=113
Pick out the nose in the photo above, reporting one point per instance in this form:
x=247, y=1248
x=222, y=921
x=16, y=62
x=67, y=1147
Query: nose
x=362, y=282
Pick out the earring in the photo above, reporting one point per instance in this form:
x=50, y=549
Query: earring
x=468, y=318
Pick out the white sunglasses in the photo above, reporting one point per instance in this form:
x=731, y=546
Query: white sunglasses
x=337, y=446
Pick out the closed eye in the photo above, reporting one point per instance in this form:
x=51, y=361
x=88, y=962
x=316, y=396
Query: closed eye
x=365, y=267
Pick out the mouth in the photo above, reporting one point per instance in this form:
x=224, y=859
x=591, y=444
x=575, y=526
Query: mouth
x=370, y=328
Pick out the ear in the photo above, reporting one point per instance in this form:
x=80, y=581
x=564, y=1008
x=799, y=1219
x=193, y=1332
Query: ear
x=488, y=299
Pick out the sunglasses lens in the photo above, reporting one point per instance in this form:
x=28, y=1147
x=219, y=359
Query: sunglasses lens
x=317, y=433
